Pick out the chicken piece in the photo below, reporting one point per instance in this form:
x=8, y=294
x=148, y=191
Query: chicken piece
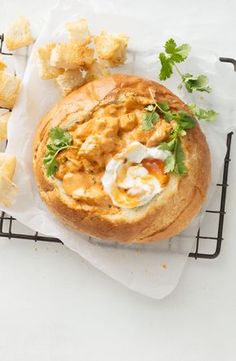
x=72, y=56
x=46, y=70
x=107, y=126
x=160, y=134
x=7, y=188
x=9, y=89
x=94, y=196
x=70, y=80
x=18, y=35
x=3, y=125
x=79, y=32
x=96, y=71
x=128, y=122
x=91, y=148
x=2, y=64
x=111, y=47
x=84, y=130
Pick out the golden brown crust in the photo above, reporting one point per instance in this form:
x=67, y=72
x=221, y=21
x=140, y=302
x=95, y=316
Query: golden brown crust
x=167, y=214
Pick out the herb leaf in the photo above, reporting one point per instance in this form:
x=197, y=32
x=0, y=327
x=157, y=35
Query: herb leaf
x=166, y=67
x=178, y=53
x=60, y=139
x=170, y=163
x=180, y=167
x=196, y=83
x=150, y=118
x=209, y=115
x=184, y=120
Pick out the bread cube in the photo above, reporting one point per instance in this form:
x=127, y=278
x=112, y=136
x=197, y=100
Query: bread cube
x=3, y=125
x=79, y=32
x=46, y=70
x=71, y=56
x=111, y=47
x=2, y=64
x=18, y=35
x=70, y=80
x=9, y=89
x=96, y=71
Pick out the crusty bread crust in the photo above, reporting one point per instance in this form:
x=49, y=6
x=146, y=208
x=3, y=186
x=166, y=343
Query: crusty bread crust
x=167, y=214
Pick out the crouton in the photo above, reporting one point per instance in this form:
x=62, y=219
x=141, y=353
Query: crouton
x=46, y=70
x=18, y=35
x=9, y=89
x=71, y=56
x=96, y=71
x=111, y=47
x=7, y=188
x=2, y=64
x=70, y=80
x=3, y=125
x=79, y=32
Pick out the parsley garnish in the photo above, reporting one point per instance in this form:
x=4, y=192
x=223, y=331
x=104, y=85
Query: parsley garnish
x=209, y=115
x=60, y=139
x=177, y=54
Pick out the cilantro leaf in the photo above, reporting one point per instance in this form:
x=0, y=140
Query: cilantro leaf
x=180, y=167
x=177, y=53
x=149, y=120
x=166, y=67
x=60, y=139
x=185, y=120
x=209, y=115
x=170, y=163
x=196, y=83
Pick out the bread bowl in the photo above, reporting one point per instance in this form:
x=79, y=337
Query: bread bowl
x=81, y=193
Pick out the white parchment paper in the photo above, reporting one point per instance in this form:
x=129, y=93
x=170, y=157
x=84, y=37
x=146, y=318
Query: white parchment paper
x=153, y=270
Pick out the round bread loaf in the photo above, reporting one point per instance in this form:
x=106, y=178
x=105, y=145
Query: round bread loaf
x=105, y=117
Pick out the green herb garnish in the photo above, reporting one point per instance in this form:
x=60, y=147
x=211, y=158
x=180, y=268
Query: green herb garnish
x=60, y=139
x=177, y=54
x=209, y=115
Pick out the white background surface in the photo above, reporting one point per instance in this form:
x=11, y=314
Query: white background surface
x=56, y=307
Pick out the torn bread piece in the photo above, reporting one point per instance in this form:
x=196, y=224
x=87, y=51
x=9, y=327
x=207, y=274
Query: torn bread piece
x=3, y=125
x=72, y=56
x=78, y=32
x=2, y=64
x=19, y=34
x=70, y=80
x=9, y=89
x=46, y=70
x=7, y=188
x=111, y=47
x=96, y=71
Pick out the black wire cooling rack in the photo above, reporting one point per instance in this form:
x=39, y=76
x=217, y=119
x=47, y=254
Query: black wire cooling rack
x=8, y=224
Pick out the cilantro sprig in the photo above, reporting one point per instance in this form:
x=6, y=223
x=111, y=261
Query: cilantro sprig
x=177, y=54
x=153, y=111
x=176, y=161
x=208, y=115
x=60, y=139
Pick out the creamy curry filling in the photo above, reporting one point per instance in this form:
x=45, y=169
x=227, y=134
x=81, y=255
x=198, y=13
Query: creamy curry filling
x=112, y=162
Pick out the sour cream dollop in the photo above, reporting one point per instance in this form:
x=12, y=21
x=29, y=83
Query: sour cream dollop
x=128, y=183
